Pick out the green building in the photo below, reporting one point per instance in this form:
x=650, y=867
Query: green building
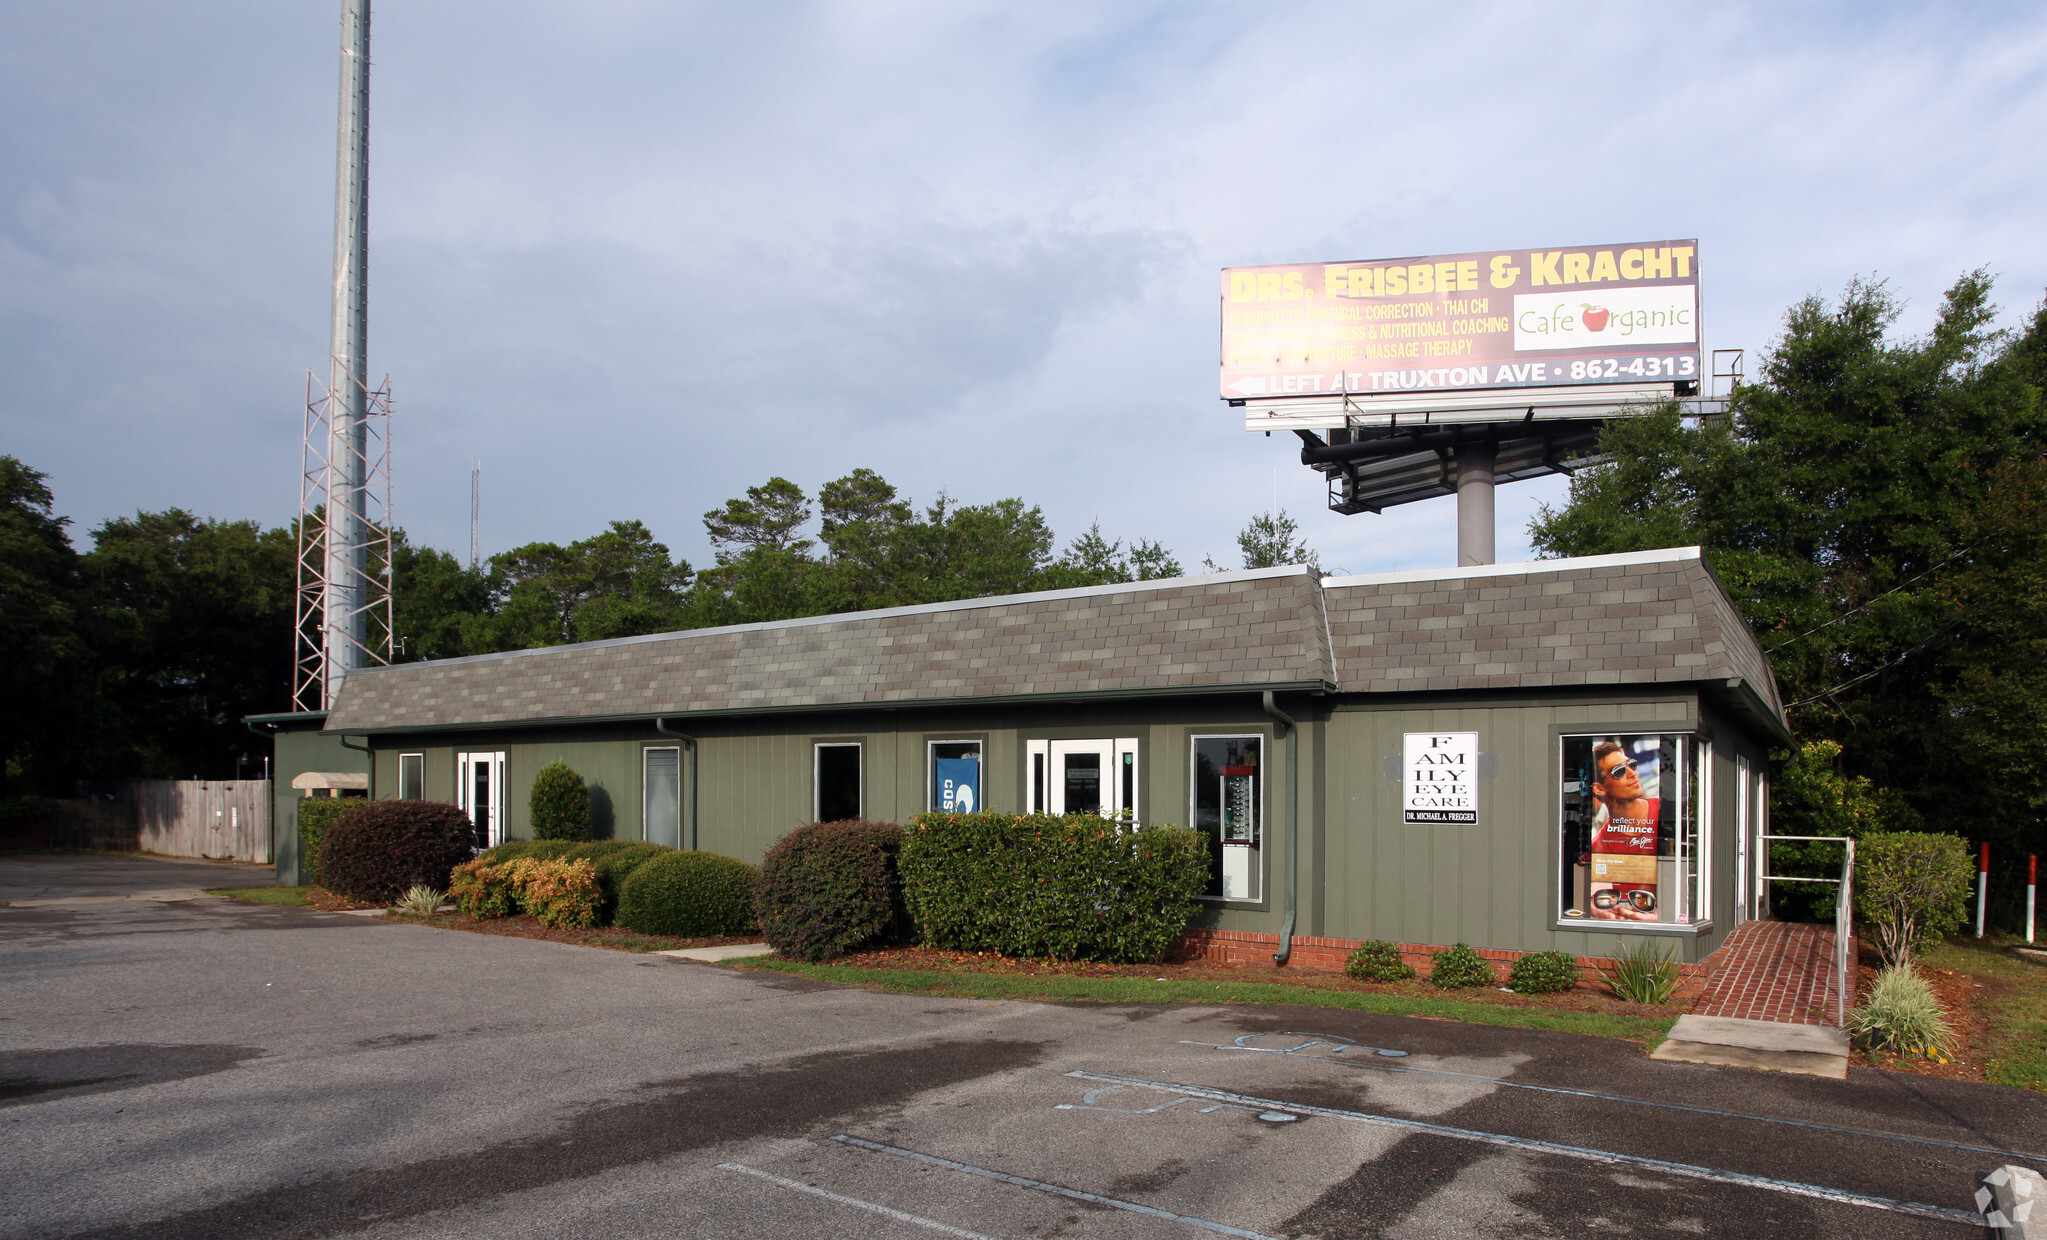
x=1561, y=754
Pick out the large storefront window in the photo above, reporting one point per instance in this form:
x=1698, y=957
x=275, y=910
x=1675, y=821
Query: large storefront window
x=1634, y=836
x=1229, y=795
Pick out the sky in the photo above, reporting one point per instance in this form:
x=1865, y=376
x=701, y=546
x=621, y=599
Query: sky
x=635, y=257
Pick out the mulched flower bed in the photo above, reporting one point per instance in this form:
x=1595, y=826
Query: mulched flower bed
x=527, y=926
x=1963, y=998
x=934, y=959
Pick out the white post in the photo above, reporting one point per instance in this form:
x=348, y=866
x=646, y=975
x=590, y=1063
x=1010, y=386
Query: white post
x=1982, y=886
x=2032, y=889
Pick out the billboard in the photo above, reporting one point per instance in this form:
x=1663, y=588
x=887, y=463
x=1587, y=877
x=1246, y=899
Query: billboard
x=1626, y=313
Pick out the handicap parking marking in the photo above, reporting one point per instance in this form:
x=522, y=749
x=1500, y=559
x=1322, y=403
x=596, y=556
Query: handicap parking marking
x=1088, y=1103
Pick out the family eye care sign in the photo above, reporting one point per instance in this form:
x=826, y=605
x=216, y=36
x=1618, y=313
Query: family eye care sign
x=1439, y=779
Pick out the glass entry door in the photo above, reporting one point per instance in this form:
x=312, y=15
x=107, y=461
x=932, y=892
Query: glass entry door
x=1084, y=777
x=480, y=789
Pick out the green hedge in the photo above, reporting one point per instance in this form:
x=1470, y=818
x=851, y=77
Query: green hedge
x=616, y=860
x=1073, y=888
x=1542, y=973
x=559, y=804
x=539, y=850
x=829, y=887
x=688, y=894
x=316, y=814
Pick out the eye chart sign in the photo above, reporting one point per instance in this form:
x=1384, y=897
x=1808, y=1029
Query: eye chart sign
x=1439, y=779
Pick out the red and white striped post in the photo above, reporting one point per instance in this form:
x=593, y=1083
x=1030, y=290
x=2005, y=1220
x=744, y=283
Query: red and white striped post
x=1982, y=886
x=2032, y=889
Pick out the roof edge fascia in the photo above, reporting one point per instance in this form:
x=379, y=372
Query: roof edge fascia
x=842, y=708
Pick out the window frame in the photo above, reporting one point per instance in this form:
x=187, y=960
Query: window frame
x=931, y=744
x=418, y=762
x=1687, y=735
x=681, y=794
x=1262, y=847
x=817, y=746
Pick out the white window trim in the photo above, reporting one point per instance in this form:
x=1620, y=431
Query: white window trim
x=1264, y=803
x=1112, y=779
x=931, y=767
x=817, y=782
x=421, y=757
x=679, y=792
x=1557, y=920
x=465, y=785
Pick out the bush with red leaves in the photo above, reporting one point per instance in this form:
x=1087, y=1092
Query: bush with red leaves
x=829, y=887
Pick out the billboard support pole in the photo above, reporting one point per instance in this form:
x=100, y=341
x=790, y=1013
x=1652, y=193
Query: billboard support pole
x=1475, y=461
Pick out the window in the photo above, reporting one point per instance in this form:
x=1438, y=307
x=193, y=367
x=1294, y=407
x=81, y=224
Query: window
x=955, y=776
x=1228, y=807
x=1635, y=835
x=836, y=781
x=661, y=795
x=411, y=776
x=1084, y=777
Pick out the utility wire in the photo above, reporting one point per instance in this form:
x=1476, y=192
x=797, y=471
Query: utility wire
x=1886, y=666
x=1867, y=604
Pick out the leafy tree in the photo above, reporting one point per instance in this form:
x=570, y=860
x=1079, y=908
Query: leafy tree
x=39, y=626
x=1272, y=540
x=190, y=630
x=559, y=803
x=436, y=602
x=1872, y=505
x=769, y=516
x=619, y=583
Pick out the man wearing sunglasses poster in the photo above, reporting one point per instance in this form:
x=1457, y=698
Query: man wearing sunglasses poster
x=1623, y=852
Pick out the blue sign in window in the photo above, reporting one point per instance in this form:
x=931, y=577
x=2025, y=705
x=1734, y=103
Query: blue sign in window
x=956, y=776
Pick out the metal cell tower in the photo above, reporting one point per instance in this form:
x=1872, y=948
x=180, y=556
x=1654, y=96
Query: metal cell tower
x=344, y=561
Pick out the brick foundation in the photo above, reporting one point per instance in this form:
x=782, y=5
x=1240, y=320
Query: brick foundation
x=1320, y=955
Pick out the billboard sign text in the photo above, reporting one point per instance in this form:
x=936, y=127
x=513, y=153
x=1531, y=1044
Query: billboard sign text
x=1609, y=314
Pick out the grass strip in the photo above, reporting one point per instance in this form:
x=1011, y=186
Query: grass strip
x=1141, y=990
x=2015, y=1050
x=264, y=895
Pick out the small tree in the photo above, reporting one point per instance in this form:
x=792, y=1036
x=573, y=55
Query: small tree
x=1911, y=887
x=560, y=804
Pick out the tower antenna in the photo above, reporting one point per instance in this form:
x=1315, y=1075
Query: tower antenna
x=344, y=553
x=475, y=506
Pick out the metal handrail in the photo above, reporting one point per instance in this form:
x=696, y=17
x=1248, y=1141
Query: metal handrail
x=1844, y=911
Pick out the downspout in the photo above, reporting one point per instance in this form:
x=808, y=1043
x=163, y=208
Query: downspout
x=689, y=743
x=1283, y=724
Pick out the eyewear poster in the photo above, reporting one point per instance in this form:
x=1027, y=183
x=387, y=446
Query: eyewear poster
x=1617, y=818
x=1439, y=779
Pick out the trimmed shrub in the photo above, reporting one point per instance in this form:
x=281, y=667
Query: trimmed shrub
x=688, y=894
x=1911, y=888
x=829, y=887
x=380, y=849
x=1079, y=887
x=1459, y=967
x=616, y=865
x=481, y=889
x=593, y=849
x=1902, y=1013
x=1643, y=974
x=1377, y=961
x=316, y=814
x=562, y=894
x=1543, y=973
x=559, y=804
x=540, y=850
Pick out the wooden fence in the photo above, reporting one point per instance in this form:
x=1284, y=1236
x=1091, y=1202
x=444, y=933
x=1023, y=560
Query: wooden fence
x=224, y=819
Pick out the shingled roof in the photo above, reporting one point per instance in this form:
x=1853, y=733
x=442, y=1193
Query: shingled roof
x=1648, y=617
x=1643, y=617
x=1250, y=630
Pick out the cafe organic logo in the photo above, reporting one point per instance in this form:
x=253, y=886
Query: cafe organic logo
x=1594, y=317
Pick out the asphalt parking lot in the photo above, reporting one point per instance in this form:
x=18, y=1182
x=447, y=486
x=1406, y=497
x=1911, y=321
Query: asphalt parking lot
x=174, y=1065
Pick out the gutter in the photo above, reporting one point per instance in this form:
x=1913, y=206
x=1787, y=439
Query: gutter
x=1284, y=724
x=689, y=743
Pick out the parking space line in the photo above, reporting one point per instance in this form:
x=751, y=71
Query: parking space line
x=1689, y=1170
x=1640, y=1102
x=798, y=1186
x=1058, y=1189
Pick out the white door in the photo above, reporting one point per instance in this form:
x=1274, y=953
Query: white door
x=480, y=791
x=1085, y=777
x=1744, y=826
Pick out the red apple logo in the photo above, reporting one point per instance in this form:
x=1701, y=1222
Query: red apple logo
x=1594, y=317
